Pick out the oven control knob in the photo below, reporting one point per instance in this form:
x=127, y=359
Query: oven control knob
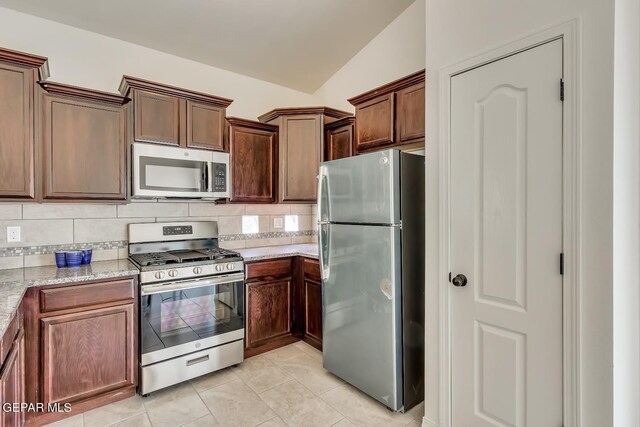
x=230, y=266
x=173, y=273
x=159, y=275
x=219, y=267
x=197, y=270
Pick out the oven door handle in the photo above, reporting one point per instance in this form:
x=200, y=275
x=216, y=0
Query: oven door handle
x=190, y=284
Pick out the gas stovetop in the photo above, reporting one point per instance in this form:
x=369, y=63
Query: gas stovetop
x=182, y=256
x=179, y=251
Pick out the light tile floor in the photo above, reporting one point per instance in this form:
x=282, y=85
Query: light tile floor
x=284, y=387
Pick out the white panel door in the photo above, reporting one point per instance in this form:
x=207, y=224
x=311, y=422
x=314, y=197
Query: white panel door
x=506, y=238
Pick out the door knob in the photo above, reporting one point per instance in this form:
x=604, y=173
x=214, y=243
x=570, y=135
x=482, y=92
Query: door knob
x=460, y=280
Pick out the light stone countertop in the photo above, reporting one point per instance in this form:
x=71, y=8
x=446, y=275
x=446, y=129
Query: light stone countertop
x=14, y=282
x=309, y=250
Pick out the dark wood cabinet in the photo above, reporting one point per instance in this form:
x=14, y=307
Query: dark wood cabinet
x=312, y=302
x=301, y=139
x=410, y=114
x=164, y=114
x=19, y=73
x=156, y=118
x=81, y=345
x=83, y=144
x=338, y=139
x=253, y=148
x=391, y=116
x=87, y=353
x=12, y=373
x=268, y=305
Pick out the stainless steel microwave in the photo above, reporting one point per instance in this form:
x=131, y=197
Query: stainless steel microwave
x=170, y=172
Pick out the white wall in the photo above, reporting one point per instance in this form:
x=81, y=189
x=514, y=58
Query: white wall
x=626, y=215
x=459, y=29
x=87, y=59
x=397, y=51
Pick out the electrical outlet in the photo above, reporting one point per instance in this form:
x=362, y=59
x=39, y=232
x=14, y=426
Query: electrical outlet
x=13, y=234
x=278, y=222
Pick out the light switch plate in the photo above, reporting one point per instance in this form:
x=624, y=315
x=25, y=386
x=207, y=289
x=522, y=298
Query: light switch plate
x=278, y=222
x=13, y=234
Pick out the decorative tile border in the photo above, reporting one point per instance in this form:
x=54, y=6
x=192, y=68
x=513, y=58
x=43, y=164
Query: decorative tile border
x=120, y=244
x=266, y=235
x=49, y=249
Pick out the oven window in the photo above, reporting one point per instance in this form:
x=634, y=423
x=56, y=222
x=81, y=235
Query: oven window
x=178, y=317
x=172, y=174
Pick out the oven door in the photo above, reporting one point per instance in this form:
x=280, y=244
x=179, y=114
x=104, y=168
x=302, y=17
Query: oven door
x=179, y=318
x=160, y=171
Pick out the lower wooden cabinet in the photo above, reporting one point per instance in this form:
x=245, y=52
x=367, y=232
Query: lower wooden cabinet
x=268, y=305
x=12, y=379
x=84, y=352
x=283, y=304
x=312, y=303
x=87, y=353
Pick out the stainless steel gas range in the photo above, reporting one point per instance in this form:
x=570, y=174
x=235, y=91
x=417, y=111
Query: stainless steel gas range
x=191, y=302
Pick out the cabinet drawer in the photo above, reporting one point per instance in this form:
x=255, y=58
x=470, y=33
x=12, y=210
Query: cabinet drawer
x=311, y=268
x=85, y=295
x=275, y=268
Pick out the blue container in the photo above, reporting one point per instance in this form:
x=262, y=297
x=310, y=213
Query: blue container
x=61, y=259
x=73, y=258
x=86, y=256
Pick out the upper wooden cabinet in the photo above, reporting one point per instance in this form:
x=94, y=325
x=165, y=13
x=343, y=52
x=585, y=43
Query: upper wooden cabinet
x=253, y=148
x=338, y=139
x=83, y=144
x=164, y=114
x=391, y=115
x=301, y=134
x=19, y=74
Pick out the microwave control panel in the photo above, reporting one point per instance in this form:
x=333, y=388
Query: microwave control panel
x=219, y=177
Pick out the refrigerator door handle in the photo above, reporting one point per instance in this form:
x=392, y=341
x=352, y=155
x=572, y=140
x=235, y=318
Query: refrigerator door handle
x=322, y=176
x=323, y=246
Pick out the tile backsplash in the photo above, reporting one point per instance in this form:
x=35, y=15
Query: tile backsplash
x=46, y=228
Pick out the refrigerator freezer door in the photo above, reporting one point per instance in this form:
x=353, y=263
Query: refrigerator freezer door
x=362, y=337
x=362, y=189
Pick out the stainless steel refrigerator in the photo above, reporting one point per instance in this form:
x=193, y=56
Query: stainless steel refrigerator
x=372, y=252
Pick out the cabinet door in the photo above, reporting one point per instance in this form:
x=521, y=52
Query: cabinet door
x=87, y=353
x=253, y=157
x=410, y=110
x=12, y=384
x=84, y=150
x=156, y=118
x=16, y=132
x=374, y=122
x=268, y=311
x=313, y=310
x=338, y=142
x=300, y=157
x=205, y=126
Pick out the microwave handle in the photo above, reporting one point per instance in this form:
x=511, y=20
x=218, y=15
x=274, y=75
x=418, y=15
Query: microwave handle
x=205, y=176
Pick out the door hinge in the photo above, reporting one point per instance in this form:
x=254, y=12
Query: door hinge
x=562, y=263
x=562, y=90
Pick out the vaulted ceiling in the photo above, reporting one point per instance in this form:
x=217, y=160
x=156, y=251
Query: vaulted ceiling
x=294, y=43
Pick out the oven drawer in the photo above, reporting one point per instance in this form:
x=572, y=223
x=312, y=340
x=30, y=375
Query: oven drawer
x=173, y=371
x=86, y=295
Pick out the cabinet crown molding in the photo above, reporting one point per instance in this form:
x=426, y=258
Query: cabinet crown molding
x=129, y=83
x=327, y=111
x=26, y=60
x=340, y=122
x=395, y=85
x=237, y=121
x=83, y=93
